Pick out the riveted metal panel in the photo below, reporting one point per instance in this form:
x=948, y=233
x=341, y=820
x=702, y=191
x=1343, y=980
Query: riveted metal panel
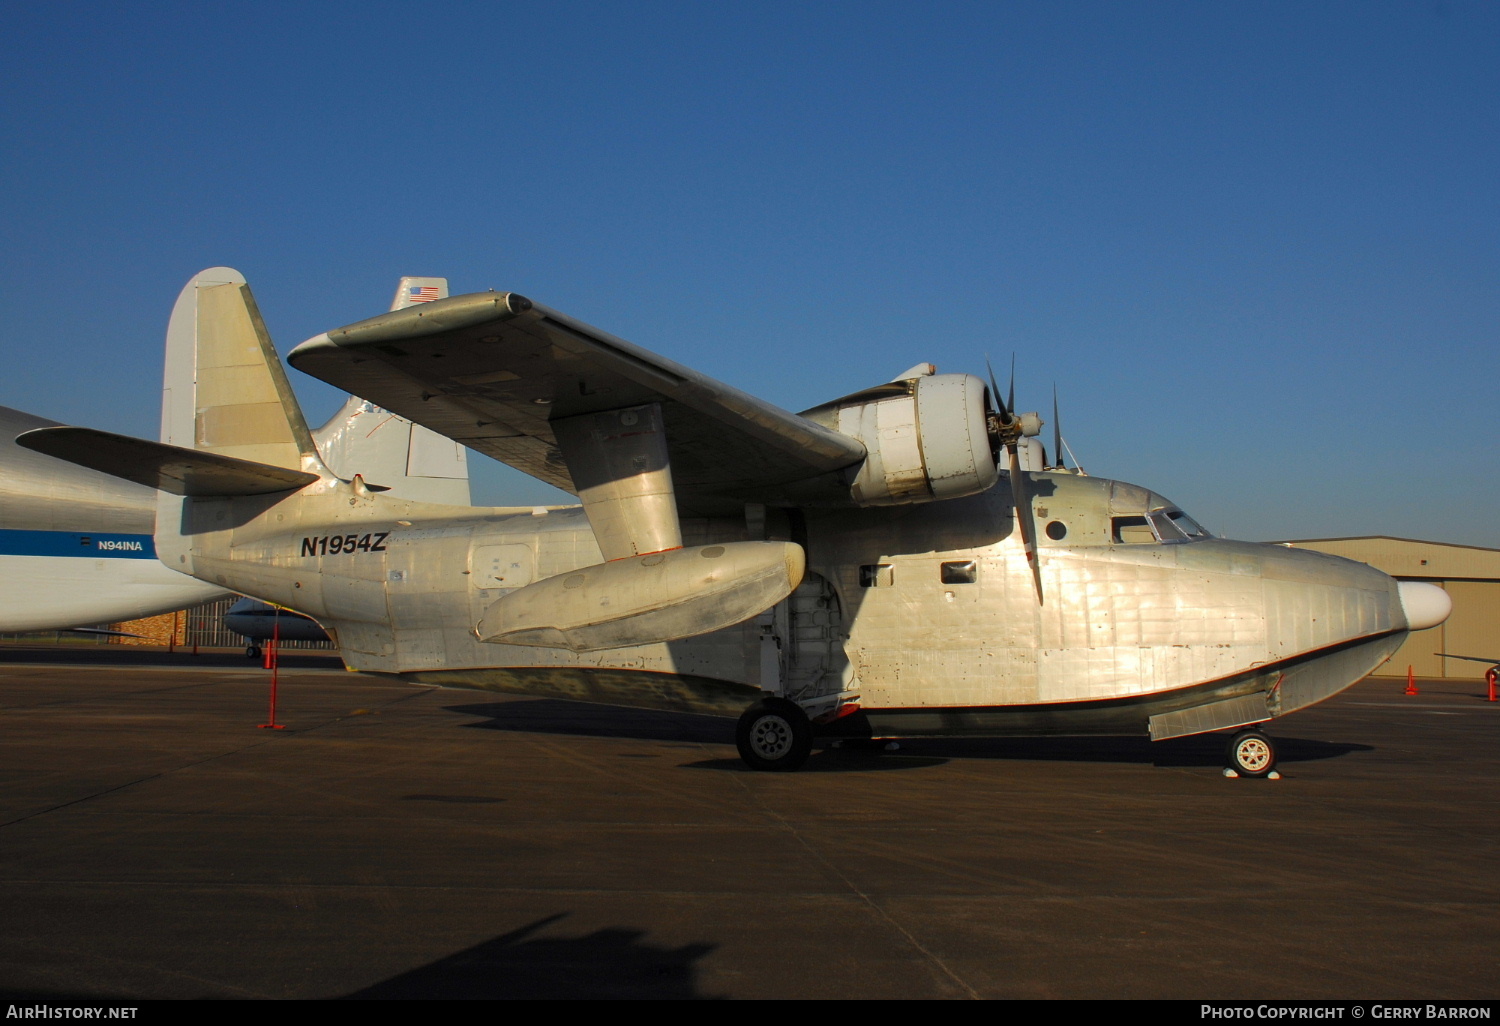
x=1234, y=712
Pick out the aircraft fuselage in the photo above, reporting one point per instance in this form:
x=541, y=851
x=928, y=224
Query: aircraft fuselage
x=76, y=545
x=924, y=616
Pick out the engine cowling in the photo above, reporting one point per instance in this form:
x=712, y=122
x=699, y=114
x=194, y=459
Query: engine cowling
x=930, y=443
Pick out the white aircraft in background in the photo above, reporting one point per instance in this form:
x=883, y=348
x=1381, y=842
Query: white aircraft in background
x=880, y=566
x=257, y=621
x=77, y=546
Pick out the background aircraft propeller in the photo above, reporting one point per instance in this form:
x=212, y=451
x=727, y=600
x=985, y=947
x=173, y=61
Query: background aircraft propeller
x=1059, y=446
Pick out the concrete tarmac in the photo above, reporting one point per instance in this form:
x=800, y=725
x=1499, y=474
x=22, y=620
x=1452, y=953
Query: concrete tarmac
x=406, y=841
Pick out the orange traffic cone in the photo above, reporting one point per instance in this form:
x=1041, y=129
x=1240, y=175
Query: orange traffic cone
x=1411, y=683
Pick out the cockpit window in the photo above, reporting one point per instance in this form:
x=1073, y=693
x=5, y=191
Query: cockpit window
x=1187, y=524
x=1165, y=529
x=1167, y=526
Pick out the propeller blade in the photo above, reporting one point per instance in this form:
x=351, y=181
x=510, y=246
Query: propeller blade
x=1021, y=492
x=1012, y=400
x=1005, y=415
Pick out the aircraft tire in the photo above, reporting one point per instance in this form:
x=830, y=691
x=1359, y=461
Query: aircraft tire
x=774, y=736
x=252, y=651
x=1251, y=754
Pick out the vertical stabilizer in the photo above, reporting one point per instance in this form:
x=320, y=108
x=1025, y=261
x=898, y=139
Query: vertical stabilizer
x=393, y=453
x=406, y=459
x=224, y=391
x=412, y=291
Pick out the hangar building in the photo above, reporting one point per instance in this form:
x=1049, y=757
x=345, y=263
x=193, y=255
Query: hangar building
x=1470, y=575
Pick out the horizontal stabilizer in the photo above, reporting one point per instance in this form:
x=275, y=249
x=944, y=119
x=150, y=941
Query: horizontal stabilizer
x=647, y=599
x=100, y=631
x=158, y=465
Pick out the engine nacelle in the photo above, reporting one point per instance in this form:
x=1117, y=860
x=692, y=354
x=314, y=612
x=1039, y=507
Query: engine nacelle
x=930, y=443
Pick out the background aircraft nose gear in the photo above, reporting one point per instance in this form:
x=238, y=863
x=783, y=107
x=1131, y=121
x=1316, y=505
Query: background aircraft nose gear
x=1251, y=754
x=774, y=735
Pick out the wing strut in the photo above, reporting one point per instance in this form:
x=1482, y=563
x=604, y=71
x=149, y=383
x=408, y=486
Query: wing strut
x=619, y=464
x=649, y=589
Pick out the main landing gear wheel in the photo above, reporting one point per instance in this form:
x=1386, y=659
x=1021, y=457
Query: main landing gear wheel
x=774, y=735
x=1251, y=754
x=252, y=651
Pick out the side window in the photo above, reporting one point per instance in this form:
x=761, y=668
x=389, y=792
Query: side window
x=959, y=572
x=1132, y=531
x=876, y=575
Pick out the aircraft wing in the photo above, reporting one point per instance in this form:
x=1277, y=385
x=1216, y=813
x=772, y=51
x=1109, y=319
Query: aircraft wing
x=492, y=370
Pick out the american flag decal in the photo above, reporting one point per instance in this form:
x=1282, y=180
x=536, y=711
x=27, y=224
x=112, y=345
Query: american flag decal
x=423, y=293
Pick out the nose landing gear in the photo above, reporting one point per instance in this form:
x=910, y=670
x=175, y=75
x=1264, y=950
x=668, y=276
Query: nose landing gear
x=1250, y=754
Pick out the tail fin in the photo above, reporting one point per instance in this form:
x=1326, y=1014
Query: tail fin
x=412, y=291
x=230, y=425
x=410, y=461
x=225, y=390
x=407, y=459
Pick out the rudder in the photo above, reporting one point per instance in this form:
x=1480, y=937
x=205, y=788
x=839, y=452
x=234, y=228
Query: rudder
x=225, y=390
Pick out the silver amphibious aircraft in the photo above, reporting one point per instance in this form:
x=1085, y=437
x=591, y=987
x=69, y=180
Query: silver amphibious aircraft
x=880, y=566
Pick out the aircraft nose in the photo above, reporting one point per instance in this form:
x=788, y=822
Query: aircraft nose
x=1426, y=605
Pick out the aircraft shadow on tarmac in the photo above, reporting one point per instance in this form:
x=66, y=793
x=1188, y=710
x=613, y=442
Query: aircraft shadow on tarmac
x=608, y=963
x=582, y=719
x=1197, y=750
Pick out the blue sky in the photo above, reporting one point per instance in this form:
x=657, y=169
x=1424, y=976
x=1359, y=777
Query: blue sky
x=1256, y=245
